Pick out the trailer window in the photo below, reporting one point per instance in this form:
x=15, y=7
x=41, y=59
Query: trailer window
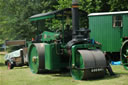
x=117, y=21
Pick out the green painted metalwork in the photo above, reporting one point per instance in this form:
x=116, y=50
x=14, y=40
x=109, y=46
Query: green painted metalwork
x=41, y=17
x=80, y=46
x=77, y=60
x=33, y=59
x=50, y=52
x=78, y=74
x=49, y=36
x=52, y=58
x=58, y=14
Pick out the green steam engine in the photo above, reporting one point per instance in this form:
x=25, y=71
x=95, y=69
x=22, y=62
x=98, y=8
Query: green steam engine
x=72, y=49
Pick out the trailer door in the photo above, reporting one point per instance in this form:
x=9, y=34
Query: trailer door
x=118, y=31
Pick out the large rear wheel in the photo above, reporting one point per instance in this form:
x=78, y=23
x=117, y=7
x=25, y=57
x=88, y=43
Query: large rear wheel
x=124, y=54
x=88, y=64
x=10, y=65
x=36, y=56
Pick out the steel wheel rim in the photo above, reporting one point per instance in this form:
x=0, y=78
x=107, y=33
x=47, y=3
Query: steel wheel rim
x=33, y=59
x=78, y=74
x=9, y=65
x=124, y=54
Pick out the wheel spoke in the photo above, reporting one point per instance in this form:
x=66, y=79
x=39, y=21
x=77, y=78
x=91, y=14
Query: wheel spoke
x=124, y=54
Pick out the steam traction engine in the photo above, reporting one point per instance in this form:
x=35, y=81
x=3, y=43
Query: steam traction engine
x=59, y=50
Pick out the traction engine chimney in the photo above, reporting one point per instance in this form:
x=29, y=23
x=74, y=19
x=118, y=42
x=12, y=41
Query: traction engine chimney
x=75, y=17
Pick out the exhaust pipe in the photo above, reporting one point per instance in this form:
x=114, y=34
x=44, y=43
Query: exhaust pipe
x=75, y=17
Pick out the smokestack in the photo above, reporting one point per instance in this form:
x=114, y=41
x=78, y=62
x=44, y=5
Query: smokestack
x=75, y=17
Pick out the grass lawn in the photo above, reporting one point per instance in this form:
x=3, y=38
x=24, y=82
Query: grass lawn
x=23, y=76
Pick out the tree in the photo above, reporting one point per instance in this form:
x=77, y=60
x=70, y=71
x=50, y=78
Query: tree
x=15, y=20
x=14, y=14
x=118, y=5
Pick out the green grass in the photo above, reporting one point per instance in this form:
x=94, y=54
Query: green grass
x=23, y=76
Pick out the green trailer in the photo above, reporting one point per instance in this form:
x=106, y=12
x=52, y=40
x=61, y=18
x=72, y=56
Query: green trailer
x=111, y=30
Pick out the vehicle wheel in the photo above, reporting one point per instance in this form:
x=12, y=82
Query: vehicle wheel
x=88, y=64
x=36, y=57
x=124, y=54
x=10, y=66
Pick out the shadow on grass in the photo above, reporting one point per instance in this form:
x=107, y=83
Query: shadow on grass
x=108, y=77
x=67, y=74
x=2, y=64
x=21, y=67
x=64, y=73
x=122, y=73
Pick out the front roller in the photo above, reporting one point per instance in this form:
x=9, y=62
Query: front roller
x=37, y=57
x=88, y=64
x=124, y=54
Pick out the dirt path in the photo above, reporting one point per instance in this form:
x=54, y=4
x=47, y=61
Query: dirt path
x=2, y=53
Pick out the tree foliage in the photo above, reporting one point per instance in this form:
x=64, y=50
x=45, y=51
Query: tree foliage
x=14, y=17
x=118, y=5
x=14, y=14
